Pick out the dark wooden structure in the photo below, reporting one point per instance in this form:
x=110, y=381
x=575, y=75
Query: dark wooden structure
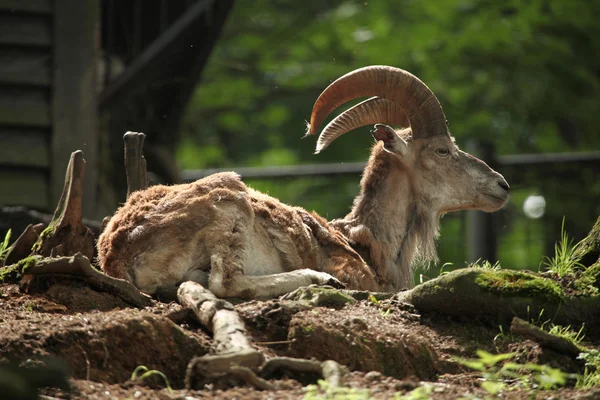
x=78, y=74
x=47, y=64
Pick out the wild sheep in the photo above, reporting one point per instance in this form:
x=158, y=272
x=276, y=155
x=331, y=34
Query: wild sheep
x=243, y=243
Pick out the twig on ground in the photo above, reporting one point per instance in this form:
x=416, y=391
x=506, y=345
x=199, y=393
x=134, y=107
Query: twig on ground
x=545, y=339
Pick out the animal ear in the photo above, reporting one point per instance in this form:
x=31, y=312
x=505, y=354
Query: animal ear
x=391, y=141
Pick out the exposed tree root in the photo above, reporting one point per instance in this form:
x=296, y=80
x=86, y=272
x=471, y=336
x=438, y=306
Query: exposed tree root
x=66, y=234
x=78, y=266
x=500, y=295
x=323, y=295
x=135, y=163
x=231, y=345
x=544, y=339
x=329, y=370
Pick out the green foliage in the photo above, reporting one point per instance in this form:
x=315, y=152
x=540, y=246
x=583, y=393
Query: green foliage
x=148, y=373
x=591, y=375
x=566, y=332
x=566, y=260
x=4, y=246
x=497, y=371
x=485, y=264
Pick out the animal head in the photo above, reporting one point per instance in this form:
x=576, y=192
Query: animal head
x=446, y=177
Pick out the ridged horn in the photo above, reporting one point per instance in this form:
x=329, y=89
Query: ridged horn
x=418, y=102
x=369, y=112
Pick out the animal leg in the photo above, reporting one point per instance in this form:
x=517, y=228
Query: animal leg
x=265, y=286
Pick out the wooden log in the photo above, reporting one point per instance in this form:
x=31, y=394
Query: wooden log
x=135, y=163
x=545, y=339
x=66, y=234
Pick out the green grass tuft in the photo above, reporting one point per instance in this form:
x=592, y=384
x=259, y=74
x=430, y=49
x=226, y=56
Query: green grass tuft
x=566, y=260
x=4, y=247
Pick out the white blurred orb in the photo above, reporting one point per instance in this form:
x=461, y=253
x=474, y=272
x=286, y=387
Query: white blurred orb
x=534, y=206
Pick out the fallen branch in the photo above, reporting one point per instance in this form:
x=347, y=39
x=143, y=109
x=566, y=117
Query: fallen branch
x=543, y=338
x=135, y=163
x=79, y=266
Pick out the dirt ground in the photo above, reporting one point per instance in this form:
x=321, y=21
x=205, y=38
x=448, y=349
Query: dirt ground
x=389, y=349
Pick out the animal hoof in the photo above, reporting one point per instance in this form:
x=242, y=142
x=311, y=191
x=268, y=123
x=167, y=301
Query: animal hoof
x=335, y=284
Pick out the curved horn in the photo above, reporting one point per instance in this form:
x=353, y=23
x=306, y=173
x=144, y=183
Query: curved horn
x=418, y=102
x=371, y=111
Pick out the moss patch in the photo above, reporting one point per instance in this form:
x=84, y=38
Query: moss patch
x=589, y=281
x=520, y=284
x=14, y=272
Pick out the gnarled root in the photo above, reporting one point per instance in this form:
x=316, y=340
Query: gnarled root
x=79, y=267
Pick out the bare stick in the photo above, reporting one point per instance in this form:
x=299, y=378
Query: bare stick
x=79, y=266
x=135, y=163
x=542, y=337
x=66, y=234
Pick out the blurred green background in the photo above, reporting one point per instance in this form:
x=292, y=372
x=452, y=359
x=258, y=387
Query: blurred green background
x=521, y=75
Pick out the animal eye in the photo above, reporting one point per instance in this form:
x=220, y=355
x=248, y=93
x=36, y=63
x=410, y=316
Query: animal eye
x=442, y=152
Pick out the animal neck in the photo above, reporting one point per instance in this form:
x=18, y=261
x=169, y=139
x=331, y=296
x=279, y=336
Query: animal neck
x=389, y=225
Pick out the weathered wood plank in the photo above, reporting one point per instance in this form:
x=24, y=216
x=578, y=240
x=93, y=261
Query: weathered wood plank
x=76, y=24
x=27, y=187
x=24, y=107
x=26, y=66
x=25, y=147
x=31, y=6
x=25, y=30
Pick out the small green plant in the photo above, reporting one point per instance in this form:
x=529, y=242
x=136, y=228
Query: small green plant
x=148, y=373
x=444, y=266
x=373, y=299
x=566, y=332
x=502, y=337
x=485, y=264
x=4, y=247
x=528, y=375
x=323, y=391
x=565, y=260
x=591, y=374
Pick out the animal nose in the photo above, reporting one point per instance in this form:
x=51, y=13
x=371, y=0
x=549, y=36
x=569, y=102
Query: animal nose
x=503, y=184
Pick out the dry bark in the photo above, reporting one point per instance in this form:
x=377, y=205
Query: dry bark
x=135, y=163
x=66, y=234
